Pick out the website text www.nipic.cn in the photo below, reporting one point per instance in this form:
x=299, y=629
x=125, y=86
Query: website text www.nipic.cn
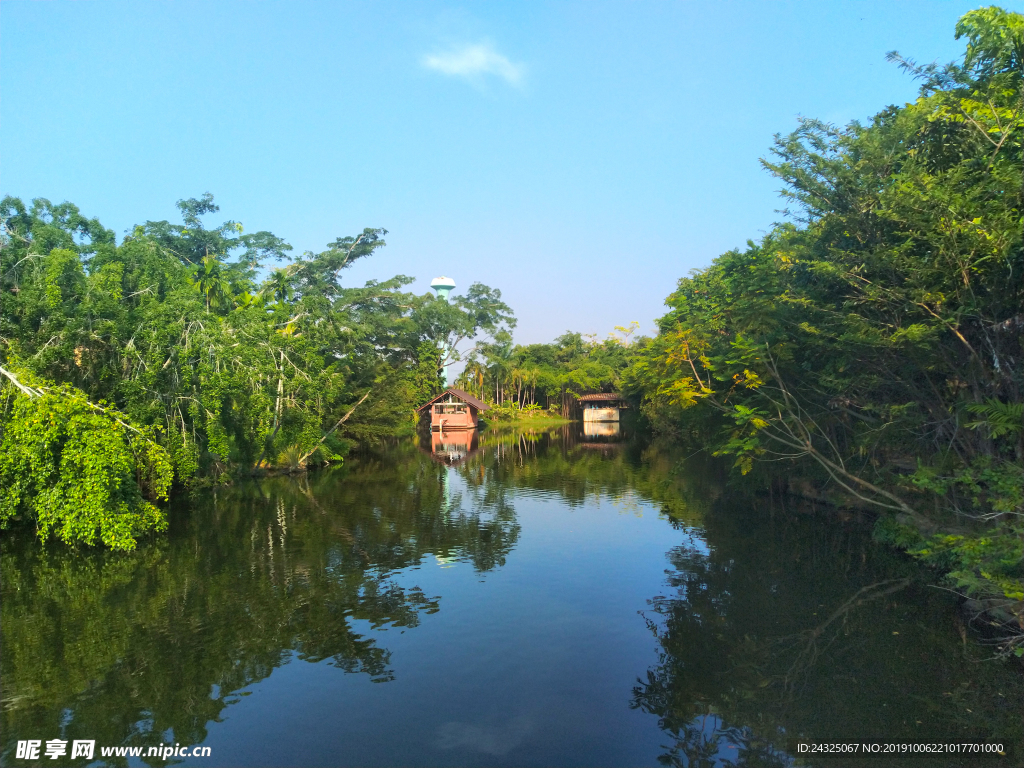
x=37, y=749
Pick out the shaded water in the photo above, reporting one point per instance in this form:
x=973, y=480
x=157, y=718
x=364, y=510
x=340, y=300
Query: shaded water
x=551, y=599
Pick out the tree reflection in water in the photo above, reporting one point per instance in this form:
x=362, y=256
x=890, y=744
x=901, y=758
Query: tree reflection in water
x=794, y=625
x=125, y=648
x=770, y=624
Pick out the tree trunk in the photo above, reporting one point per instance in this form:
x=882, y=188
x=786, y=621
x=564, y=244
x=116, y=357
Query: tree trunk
x=277, y=413
x=330, y=432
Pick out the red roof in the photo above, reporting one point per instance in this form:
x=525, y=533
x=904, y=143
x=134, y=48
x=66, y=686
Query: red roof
x=465, y=397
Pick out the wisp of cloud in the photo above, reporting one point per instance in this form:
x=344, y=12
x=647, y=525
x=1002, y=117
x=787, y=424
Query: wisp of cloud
x=472, y=62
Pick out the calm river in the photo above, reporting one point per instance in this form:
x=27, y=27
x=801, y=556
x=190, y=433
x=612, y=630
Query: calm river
x=540, y=600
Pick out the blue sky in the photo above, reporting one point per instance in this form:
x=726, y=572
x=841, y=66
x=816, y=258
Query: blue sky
x=581, y=157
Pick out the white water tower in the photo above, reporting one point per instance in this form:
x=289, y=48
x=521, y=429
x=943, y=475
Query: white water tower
x=444, y=286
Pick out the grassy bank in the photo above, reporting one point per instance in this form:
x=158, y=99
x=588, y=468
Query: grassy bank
x=532, y=416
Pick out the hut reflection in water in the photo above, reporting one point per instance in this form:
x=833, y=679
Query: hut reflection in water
x=453, y=448
x=601, y=429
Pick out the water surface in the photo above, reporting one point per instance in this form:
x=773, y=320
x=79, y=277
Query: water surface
x=499, y=599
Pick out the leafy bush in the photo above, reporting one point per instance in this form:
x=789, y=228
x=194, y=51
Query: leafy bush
x=81, y=471
x=512, y=411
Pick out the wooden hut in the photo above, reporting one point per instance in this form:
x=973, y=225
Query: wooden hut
x=453, y=409
x=603, y=406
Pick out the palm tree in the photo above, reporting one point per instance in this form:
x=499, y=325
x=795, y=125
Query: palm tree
x=516, y=377
x=278, y=285
x=472, y=377
x=209, y=279
x=532, y=374
x=499, y=355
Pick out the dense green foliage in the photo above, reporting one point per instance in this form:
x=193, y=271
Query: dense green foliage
x=879, y=339
x=80, y=470
x=218, y=371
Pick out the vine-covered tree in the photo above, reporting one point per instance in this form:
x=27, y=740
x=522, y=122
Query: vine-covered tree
x=879, y=337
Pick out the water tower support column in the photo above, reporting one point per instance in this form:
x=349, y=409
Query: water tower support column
x=443, y=286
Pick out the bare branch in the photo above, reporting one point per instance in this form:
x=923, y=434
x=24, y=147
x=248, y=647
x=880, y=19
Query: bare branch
x=16, y=382
x=341, y=421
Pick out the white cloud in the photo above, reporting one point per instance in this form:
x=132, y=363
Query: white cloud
x=472, y=62
x=492, y=740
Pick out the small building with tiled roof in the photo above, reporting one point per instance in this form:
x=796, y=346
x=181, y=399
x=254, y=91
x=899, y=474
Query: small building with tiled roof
x=453, y=409
x=602, y=406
